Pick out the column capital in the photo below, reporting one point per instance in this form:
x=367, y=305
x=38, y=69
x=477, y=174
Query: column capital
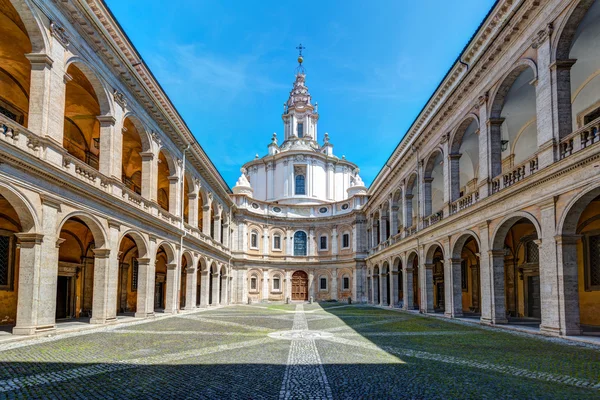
x=496, y=253
x=28, y=240
x=564, y=65
x=50, y=201
x=455, y=260
x=114, y=224
x=567, y=239
x=39, y=61
x=495, y=121
x=171, y=266
x=143, y=261
x=101, y=253
x=106, y=120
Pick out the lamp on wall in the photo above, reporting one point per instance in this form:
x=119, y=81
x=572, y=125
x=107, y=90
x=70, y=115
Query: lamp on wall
x=504, y=145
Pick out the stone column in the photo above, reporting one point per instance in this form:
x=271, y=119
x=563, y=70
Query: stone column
x=217, y=228
x=204, y=288
x=453, y=288
x=374, y=230
x=333, y=290
x=206, y=212
x=408, y=214
x=543, y=101
x=494, y=129
x=426, y=272
x=224, y=290
x=171, y=297
x=102, y=311
x=382, y=226
x=561, y=94
x=495, y=292
x=34, y=288
x=311, y=242
x=311, y=284
x=286, y=177
x=174, y=195
x=265, y=286
x=124, y=273
x=454, y=162
x=383, y=289
x=567, y=288
x=427, y=197
x=408, y=297
x=149, y=177
x=145, y=288
x=394, y=288
x=215, y=287
x=107, y=146
x=190, y=288
x=447, y=173
x=193, y=210
x=393, y=218
x=334, y=242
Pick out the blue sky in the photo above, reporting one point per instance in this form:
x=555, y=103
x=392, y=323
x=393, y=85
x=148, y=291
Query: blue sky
x=228, y=67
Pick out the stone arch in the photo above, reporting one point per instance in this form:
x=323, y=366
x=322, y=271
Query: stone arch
x=499, y=95
x=565, y=33
x=143, y=131
x=28, y=217
x=202, y=264
x=170, y=160
x=397, y=264
x=569, y=218
x=507, y=222
x=189, y=257
x=457, y=134
x=460, y=242
x=433, y=182
x=94, y=225
x=33, y=24
x=99, y=86
x=430, y=250
x=168, y=249
x=139, y=240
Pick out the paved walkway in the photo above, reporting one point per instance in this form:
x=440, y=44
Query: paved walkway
x=303, y=351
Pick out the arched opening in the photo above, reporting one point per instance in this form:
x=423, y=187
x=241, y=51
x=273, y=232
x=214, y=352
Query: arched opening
x=578, y=64
x=516, y=264
x=81, y=137
x=376, y=290
x=223, y=286
x=300, y=243
x=412, y=196
x=397, y=217
x=385, y=282
x=398, y=298
x=580, y=260
x=200, y=211
x=15, y=68
x=199, y=271
x=164, y=257
x=163, y=187
x=464, y=159
x=385, y=220
x=433, y=184
x=215, y=285
x=466, y=256
x=10, y=225
x=513, y=125
x=131, y=164
x=300, y=286
x=183, y=281
x=376, y=229
x=435, y=262
x=78, y=260
x=187, y=191
x=129, y=268
x=412, y=298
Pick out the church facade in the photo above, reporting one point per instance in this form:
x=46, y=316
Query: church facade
x=489, y=206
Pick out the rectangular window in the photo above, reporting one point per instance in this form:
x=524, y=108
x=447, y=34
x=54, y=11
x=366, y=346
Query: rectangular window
x=254, y=240
x=6, y=262
x=345, y=240
x=276, y=284
x=323, y=245
x=134, y=274
x=323, y=285
x=592, y=264
x=277, y=242
x=253, y=283
x=300, y=129
x=346, y=283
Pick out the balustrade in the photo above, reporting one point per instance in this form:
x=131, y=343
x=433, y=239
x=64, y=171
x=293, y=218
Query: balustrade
x=580, y=139
x=464, y=202
x=433, y=219
x=517, y=174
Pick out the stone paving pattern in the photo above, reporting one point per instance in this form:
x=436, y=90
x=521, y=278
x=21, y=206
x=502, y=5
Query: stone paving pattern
x=310, y=351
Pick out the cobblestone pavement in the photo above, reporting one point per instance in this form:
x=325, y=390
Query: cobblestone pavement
x=303, y=351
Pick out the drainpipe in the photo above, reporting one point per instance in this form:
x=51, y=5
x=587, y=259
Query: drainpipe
x=181, y=226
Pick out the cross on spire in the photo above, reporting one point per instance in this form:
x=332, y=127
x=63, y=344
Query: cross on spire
x=300, y=48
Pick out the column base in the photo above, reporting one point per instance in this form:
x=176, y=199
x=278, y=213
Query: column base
x=189, y=308
x=497, y=321
x=100, y=321
x=450, y=314
x=32, y=330
x=552, y=331
x=144, y=315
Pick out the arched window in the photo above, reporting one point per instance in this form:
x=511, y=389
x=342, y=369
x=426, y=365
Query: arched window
x=254, y=240
x=300, y=184
x=300, y=243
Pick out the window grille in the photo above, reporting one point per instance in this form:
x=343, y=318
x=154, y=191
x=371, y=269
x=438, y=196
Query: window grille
x=346, y=240
x=277, y=242
x=323, y=283
x=300, y=243
x=134, y=275
x=532, y=252
x=253, y=283
x=323, y=245
x=300, y=184
x=346, y=283
x=254, y=240
x=5, y=262
x=593, y=267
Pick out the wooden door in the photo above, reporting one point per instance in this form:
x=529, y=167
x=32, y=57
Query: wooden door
x=299, y=286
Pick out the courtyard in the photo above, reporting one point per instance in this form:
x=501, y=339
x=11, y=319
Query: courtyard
x=315, y=351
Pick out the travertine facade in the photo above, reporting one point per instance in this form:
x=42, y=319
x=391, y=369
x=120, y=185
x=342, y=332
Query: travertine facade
x=489, y=206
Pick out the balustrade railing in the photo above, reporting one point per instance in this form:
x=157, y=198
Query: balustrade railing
x=433, y=219
x=464, y=202
x=517, y=174
x=580, y=139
